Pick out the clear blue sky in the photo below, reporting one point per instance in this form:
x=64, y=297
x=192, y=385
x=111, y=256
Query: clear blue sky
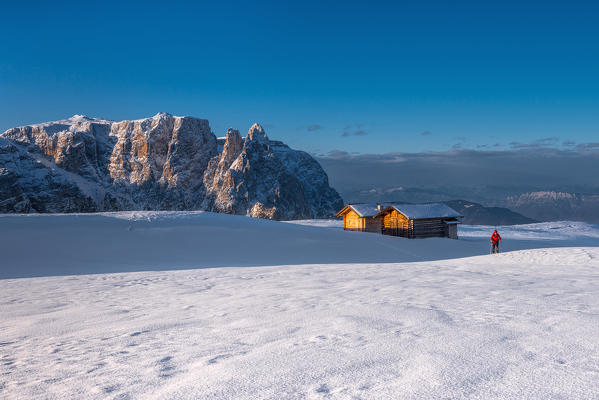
x=392, y=77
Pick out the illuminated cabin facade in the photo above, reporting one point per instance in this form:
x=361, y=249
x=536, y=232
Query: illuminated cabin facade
x=361, y=217
x=404, y=220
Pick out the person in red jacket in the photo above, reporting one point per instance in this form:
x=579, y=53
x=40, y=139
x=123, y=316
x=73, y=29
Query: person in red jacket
x=495, y=239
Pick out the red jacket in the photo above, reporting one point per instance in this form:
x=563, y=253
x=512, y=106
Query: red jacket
x=495, y=237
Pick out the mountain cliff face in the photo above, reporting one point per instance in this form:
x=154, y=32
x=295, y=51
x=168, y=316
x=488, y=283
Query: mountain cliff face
x=161, y=163
x=267, y=179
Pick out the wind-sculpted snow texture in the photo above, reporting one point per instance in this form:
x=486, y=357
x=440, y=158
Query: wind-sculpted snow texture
x=419, y=324
x=161, y=163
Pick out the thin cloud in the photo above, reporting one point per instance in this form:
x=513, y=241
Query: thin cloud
x=356, y=130
x=547, y=140
x=588, y=146
x=539, y=143
x=375, y=158
x=543, y=167
x=488, y=146
x=518, y=145
x=426, y=133
x=359, y=132
x=313, y=127
x=335, y=155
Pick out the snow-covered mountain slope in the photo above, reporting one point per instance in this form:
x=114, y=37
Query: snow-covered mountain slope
x=522, y=324
x=165, y=162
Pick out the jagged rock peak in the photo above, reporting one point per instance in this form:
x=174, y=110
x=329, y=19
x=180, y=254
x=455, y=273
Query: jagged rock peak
x=162, y=115
x=163, y=162
x=233, y=146
x=257, y=133
x=80, y=117
x=233, y=134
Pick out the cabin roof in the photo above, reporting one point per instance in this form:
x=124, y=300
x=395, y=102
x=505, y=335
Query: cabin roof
x=363, y=210
x=423, y=211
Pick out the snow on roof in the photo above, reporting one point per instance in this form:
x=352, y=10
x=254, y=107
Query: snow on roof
x=421, y=211
x=365, y=210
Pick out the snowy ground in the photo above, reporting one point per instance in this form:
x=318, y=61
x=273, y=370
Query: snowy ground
x=334, y=314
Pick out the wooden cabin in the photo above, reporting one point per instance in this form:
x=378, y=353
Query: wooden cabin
x=405, y=220
x=419, y=220
x=361, y=217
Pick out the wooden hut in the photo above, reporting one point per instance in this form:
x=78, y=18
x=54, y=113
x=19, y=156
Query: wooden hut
x=361, y=217
x=419, y=220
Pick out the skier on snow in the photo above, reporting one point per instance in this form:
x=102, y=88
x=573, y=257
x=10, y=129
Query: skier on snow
x=495, y=239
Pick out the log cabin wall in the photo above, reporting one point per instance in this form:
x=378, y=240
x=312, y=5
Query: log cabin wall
x=452, y=231
x=392, y=222
x=396, y=224
x=352, y=221
x=372, y=224
x=432, y=227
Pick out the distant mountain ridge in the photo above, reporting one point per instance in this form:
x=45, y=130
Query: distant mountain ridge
x=165, y=162
x=555, y=206
x=477, y=214
x=547, y=205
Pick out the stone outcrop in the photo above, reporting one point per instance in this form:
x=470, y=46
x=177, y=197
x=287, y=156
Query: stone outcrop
x=161, y=163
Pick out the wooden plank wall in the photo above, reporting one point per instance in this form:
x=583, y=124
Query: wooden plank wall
x=352, y=221
x=396, y=224
x=372, y=225
x=395, y=220
x=429, y=228
x=452, y=231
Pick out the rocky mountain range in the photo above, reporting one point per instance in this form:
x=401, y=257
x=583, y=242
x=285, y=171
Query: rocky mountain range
x=555, y=206
x=165, y=162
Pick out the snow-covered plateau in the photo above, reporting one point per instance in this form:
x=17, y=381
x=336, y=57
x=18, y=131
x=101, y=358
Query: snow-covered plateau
x=190, y=305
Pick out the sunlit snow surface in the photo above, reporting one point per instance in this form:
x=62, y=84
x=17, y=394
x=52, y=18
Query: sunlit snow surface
x=376, y=317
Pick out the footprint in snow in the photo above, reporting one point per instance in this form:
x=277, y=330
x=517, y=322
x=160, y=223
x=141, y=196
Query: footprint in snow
x=138, y=333
x=110, y=389
x=323, y=389
x=214, y=360
x=166, y=367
